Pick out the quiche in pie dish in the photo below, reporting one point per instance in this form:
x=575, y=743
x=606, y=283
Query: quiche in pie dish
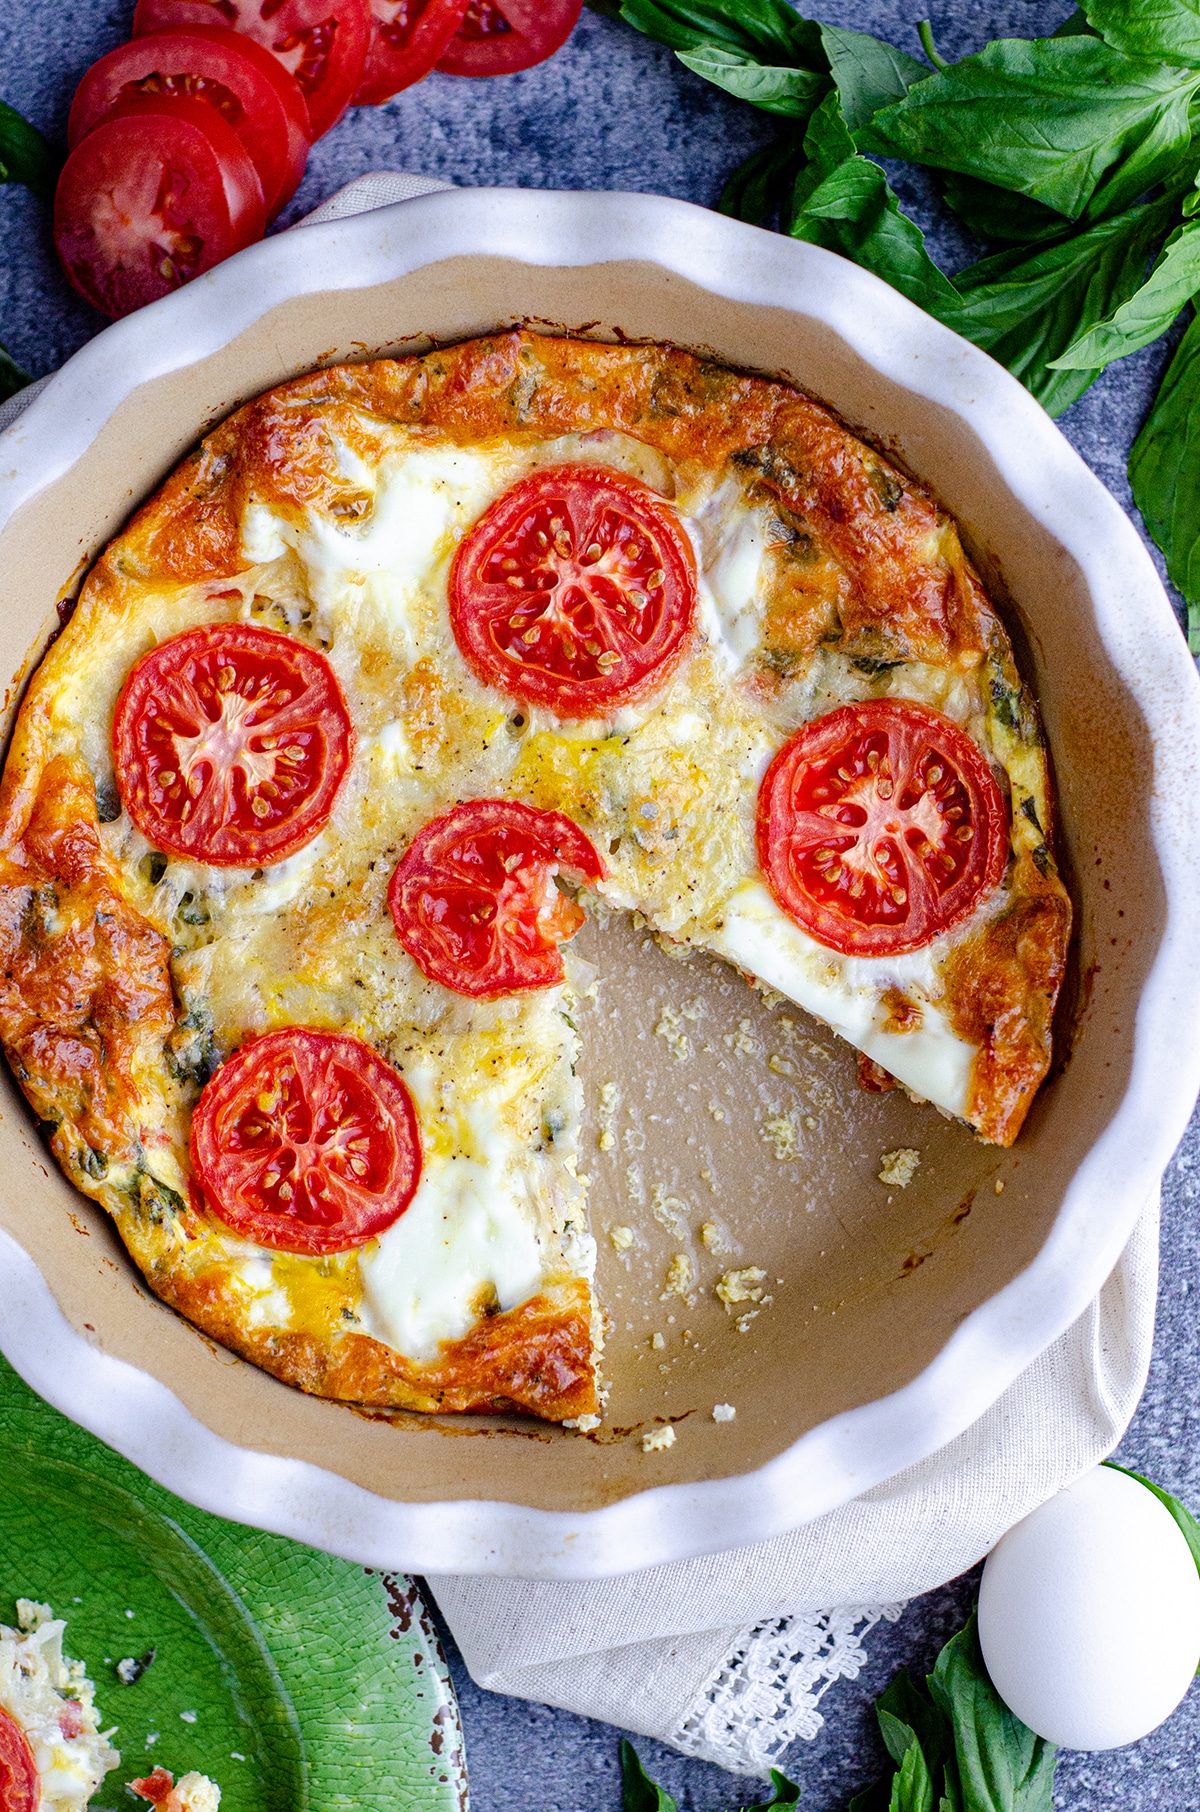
x=410, y=664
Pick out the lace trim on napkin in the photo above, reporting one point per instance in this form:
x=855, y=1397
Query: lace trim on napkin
x=766, y=1691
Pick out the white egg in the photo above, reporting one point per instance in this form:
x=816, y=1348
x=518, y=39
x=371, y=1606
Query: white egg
x=1089, y=1614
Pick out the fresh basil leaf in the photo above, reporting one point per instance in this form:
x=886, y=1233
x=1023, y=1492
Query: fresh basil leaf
x=1189, y=1527
x=993, y=213
x=1148, y=312
x=1166, y=29
x=869, y=74
x=843, y=203
x=787, y=1794
x=1051, y=118
x=912, y=1789
x=794, y=92
x=12, y=378
x=1003, y=1766
x=758, y=188
x=912, y=1708
x=827, y=145
x=1164, y=472
x=1026, y=309
x=638, y=1792
x=24, y=154
x=769, y=31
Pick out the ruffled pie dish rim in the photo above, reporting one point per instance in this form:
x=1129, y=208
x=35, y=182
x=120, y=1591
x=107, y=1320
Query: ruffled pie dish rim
x=860, y=1448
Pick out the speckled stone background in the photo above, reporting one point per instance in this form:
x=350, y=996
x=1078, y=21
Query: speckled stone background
x=613, y=111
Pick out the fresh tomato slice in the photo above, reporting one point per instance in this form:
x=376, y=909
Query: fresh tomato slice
x=880, y=826
x=160, y=191
x=20, y=1787
x=231, y=743
x=576, y=590
x=407, y=38
x=307, y=1141
x=323, y=43
x=249, y=88
x=498, y=37
x=474, y=902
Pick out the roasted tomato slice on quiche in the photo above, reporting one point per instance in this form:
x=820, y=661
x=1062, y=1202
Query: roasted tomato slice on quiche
x=307, y=1141
x=880, y=826
x=20, y=1786
x=474, y=899
x=576, y=590
x=231, y=743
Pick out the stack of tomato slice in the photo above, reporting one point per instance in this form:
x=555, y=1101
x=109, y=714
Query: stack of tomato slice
x=187, y=140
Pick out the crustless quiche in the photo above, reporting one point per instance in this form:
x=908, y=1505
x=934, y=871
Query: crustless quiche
x=407, y=664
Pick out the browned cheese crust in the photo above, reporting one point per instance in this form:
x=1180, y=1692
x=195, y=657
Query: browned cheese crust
x=876, y=571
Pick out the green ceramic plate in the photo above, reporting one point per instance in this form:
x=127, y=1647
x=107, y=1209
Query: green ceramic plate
x=300, y=1683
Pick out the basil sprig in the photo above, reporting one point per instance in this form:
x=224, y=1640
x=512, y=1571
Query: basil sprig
x=1073, y=157
x=955, y=1744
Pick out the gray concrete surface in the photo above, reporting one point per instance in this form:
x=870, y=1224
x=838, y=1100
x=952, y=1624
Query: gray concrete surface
x=613, y=111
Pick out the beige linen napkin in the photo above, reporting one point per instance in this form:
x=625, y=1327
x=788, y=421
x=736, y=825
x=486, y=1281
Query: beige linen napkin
x=726, y=1657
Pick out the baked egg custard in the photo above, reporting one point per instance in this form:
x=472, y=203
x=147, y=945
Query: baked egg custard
x=409, y=666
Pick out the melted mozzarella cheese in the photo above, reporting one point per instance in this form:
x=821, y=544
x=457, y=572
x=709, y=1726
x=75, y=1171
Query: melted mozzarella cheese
x=466, y=1244
x=730, y=542
x=848, y=994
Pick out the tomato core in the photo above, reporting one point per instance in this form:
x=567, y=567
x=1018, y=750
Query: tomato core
x=576, y=590
x=880, y=826
x=20, y=1786
x=482, y=19
x=231, y=744
x=474, y=899
x=307, y=1141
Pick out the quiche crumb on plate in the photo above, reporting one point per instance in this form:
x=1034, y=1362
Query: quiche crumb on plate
x=51, y=1702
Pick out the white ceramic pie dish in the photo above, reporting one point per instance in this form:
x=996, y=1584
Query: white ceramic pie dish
x=1085, y=596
